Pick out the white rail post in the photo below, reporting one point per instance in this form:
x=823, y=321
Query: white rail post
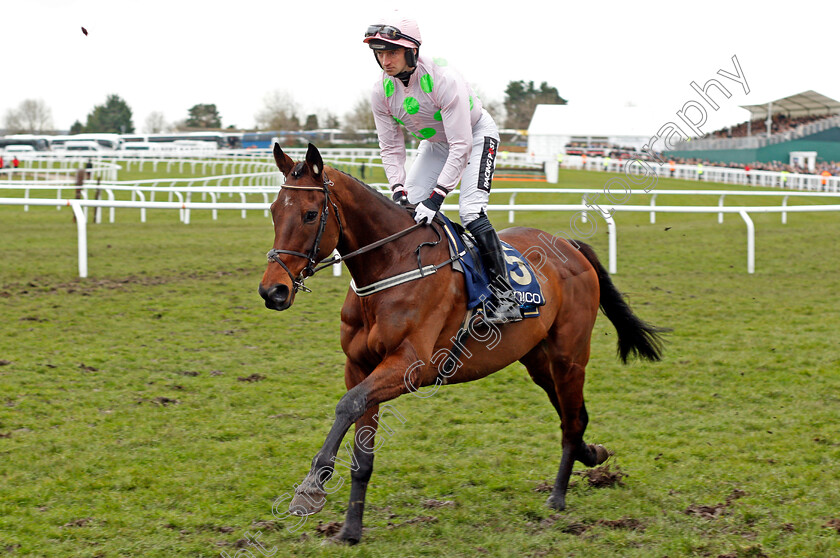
x=511, y=212
x=611, y=230
x=750, y=241
x=185, y=209
x=336, y=268
x=97, y=213
x=652, y=209
x=81, y=233
x=784, y=213
x=110, y=193
x=142, y=197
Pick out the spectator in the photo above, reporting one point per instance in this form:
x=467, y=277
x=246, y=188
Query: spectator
x=832, y=167
x=780, y=123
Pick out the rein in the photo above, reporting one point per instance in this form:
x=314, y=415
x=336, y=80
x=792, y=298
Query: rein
x=312, y=267
x=373, y=245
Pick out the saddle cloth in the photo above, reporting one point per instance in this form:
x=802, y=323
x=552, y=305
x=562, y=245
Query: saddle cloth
x=526, y=287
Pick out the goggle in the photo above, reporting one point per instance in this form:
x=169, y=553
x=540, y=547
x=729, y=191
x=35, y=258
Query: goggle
x=388, y=32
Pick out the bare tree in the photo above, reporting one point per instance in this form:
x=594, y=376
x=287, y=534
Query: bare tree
x=280, y=112
x=155, y=123
x=327, y=119
x=31, y=116
x=361, y=117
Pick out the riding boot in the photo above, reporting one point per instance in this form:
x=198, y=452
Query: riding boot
x=505, y=308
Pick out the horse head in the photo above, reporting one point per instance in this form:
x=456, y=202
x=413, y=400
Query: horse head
x=307, y=227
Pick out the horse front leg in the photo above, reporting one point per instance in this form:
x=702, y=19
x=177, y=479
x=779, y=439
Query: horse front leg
x=361, y=467
x=311, y=494
x=386, y=382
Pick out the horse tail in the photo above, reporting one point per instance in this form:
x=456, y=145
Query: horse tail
x=635, y=336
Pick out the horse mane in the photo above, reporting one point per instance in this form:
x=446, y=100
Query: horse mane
x=380, y=198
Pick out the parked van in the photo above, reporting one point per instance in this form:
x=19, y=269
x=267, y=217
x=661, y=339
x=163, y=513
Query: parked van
x=15, y=148
x=82, y=145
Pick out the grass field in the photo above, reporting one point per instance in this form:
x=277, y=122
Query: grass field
x=158, y=409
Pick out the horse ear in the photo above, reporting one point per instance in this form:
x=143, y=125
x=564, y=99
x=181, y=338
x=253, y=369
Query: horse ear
x=284, y=162
x=313, y=159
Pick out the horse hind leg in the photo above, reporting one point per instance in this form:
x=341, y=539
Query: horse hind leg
x=568, y=381
x=563, y=383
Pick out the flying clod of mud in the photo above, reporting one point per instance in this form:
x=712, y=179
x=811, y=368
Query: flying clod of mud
x=603, y=477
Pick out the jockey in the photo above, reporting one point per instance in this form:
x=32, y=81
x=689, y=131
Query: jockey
x=459, y=141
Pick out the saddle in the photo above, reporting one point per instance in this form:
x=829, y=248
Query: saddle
x=526, y=287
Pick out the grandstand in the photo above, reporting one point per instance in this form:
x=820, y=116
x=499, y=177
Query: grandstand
x=802, y=127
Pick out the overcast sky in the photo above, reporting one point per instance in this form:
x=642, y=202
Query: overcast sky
x=166, y=56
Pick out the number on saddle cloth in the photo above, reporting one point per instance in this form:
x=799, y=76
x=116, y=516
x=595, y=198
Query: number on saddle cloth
x=526, y=287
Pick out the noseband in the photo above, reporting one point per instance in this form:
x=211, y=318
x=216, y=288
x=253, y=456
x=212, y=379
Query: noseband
x=311, y=257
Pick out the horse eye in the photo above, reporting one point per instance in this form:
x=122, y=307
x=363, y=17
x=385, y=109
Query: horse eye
x=310, y=216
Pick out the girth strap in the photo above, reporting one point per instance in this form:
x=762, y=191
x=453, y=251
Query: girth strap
x=453, y=360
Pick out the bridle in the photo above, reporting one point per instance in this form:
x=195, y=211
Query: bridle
x=311, y=257
x=312, y=266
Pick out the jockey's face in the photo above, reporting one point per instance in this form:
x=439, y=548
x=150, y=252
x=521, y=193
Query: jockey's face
x=393, y=61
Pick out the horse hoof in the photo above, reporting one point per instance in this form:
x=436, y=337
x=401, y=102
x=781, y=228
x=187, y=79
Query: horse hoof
x=347, y=539
x=601, y=453
x=556, y=502
x=308, y=502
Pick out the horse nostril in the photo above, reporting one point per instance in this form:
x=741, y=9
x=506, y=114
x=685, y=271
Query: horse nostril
x=275, y=296
x=280, y=293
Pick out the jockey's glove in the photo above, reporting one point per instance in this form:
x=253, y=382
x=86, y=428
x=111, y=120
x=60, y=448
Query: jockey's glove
x=425, y=211
x=399, y=195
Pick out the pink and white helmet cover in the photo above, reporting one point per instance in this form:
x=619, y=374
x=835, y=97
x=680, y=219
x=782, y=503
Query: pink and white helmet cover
x=406, y=25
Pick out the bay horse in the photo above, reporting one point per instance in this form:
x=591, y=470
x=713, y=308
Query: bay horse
x=394, y=337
